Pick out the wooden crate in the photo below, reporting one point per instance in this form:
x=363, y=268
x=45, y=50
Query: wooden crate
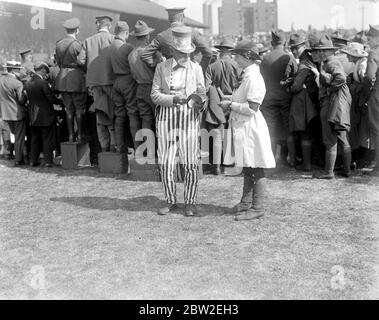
x=116, y=163
x=75, y=155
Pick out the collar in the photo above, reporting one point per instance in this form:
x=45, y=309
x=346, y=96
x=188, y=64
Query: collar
x=176, y=65
x=104, y=30
x=71, y=36
x=118, y=38
x=176, y=24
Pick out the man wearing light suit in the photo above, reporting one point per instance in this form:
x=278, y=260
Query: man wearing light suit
x=178, y=119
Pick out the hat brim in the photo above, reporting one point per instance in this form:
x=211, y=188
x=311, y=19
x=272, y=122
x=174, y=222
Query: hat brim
x=144, y=33
x=365, y=55
x=220, y=47
x=182, y=50
x=324, y=48
x=241, y=52
x=298, y=44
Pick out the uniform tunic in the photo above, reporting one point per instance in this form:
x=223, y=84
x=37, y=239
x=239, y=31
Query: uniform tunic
x=250, y=145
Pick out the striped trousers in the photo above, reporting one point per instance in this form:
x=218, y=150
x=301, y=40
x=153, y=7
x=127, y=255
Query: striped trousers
x=178, y=131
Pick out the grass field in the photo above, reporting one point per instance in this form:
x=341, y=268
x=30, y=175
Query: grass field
x=82, y=235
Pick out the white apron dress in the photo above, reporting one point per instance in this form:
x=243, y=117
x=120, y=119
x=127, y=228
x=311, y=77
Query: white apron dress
x=248, y=142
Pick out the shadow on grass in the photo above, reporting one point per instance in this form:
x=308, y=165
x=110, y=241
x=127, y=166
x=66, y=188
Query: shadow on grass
x=138, y=204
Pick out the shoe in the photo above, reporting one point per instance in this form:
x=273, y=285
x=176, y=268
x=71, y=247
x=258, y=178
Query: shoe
x=19, y=164
x=167, y=210
x=48, y=165
x=249, y=215
x=324, y=176
x=241, y=207
x=35, y=164
x=190, y=210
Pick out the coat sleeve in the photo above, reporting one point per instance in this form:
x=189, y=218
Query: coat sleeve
x=20, y=94
x=157, y=96
x=338, y=78
x=200, y=84
x=48, y=92
x=149, y=52
x=82, y=57
x=372, y=68
x=299, y=81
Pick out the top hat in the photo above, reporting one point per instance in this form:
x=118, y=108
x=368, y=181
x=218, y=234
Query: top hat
x=355, y=49
x=324, y=43
x=296, y=40
x=141, y=29
x=373, y=32
x=277, y=37
x=121, y=26
x=182, y=39
x=71, y=24
x=226, y=43
x=247, y=46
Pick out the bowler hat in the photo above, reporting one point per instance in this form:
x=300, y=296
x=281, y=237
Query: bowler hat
x=72, y=23
x=296, y=40
x=373, y=32
x=141, y=29
x=121, y=26
x=182, y=39
x=277, y=37
x=247, y=47
x=355, y=49
x=324, y=43
x=40, y=65
x=226, y=43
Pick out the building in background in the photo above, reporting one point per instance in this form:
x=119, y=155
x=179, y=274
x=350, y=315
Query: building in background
x=246, y=18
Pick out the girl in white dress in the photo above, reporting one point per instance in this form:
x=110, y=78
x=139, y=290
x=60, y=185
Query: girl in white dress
x=250, y=145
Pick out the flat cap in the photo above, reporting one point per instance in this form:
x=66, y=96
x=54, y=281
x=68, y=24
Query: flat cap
x=247, y=47
x=40, y=64
x=72, y=23
x=121, y=26
x=25, y=51
x=173, y=11
x=101, y=18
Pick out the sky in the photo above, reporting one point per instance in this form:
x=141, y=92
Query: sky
x=301, y=13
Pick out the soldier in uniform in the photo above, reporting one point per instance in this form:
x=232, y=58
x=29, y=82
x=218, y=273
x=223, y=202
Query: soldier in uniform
x=370, y=92
x=277, y=67
x=70, y=81
x=143, y=117
x=99, y=79
x=124, y=86
x=27, y=65
x=341, y=43
x=178, y=119
x=164, y=40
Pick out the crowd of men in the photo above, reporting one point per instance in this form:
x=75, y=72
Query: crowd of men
x=321, y=101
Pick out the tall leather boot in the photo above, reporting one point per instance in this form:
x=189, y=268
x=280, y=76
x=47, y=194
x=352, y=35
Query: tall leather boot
x=257, y=209
x=70, y=125
x=247, y=193
x=330, y=160
x=291, y=151
x=306, y=147
x=346, y=158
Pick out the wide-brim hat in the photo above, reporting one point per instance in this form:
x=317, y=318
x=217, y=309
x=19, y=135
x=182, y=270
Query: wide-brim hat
x=13, y=65
x=355, y=49
x=182, y=39
x=278, y=37
x=245, y=47
x=141, y=29
x=296, y=40
x=373, y=32
x=226, y=43
x=324, y=43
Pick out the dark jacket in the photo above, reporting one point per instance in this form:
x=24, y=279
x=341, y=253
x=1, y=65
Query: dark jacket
x=12, y=98
x=163, y=43
x=41, y=102
x=276, y=67
x=71, y=77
